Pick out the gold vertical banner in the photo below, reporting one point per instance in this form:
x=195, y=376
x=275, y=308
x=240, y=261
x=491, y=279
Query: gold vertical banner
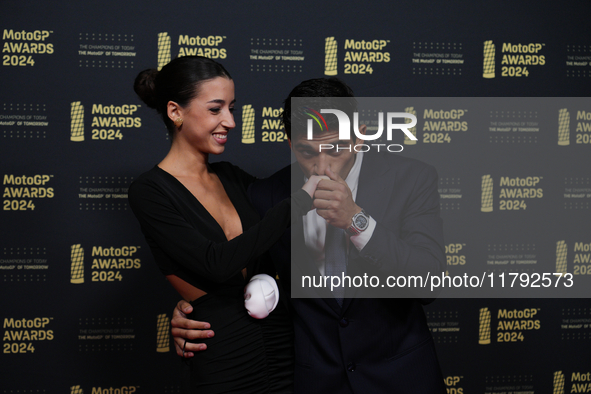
x=488, y=66
x=486, y=200
x=76, y=390
x=330, y=56
x=408, y=141
x=77, y=121
x=163, y=50
x=77, y=264
x=247, y=124
x=558, y=383
x=162, y=334
x=484, y=327
x=563, y=127
x=561, y=256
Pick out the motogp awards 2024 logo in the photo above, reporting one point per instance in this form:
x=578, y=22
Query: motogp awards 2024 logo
x=360, y=55
x=189, y=45
x=517, y=59
x=107, y=121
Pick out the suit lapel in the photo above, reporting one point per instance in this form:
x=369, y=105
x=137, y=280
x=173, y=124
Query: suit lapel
x=376, y=180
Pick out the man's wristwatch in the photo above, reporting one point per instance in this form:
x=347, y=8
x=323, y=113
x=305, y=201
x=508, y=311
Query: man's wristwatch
x=359, y=223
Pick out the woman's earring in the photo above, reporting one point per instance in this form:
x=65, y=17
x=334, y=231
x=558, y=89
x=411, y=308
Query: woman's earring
x=178, y=122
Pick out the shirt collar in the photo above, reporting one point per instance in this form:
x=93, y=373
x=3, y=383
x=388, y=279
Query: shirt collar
x=353, y=176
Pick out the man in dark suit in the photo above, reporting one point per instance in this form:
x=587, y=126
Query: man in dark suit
x=389, y=207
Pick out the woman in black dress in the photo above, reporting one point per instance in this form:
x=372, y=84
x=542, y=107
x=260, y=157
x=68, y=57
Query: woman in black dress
x=204, y=234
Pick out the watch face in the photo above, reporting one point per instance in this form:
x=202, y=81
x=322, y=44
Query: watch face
x=361, y=221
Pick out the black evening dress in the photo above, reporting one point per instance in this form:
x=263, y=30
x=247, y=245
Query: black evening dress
x=246, y=355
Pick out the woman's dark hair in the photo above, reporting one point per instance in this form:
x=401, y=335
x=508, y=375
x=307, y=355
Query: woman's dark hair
x=178, y=81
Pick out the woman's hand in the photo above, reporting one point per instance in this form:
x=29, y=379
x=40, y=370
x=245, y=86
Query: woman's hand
x=310, y=186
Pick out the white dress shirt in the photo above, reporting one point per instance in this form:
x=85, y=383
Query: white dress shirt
x=315, y=225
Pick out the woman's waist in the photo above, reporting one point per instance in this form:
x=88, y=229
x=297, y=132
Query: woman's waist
x=226, y=308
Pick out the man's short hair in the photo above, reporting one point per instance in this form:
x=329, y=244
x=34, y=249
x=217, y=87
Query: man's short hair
x=319, y=91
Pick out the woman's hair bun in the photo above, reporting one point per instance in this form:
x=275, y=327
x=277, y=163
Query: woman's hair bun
x=145, y=87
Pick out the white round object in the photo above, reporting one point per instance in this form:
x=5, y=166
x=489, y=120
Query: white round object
x=261, y=296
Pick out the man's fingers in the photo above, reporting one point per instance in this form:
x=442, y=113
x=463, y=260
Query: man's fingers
x=321, y=204
x=183, y=322
x=189, y=348
x=191, y=334
x=326, y=184
x=324, y=209
x=329, y=195
x=331, y=185
x=327, y=215
x=183, y=307
x=311, y=184
x=333, y=175
x=185, y=330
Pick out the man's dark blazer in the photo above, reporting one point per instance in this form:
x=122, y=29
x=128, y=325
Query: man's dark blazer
x=368, y=345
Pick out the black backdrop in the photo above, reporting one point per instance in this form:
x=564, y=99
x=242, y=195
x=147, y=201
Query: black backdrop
x=84, y=308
